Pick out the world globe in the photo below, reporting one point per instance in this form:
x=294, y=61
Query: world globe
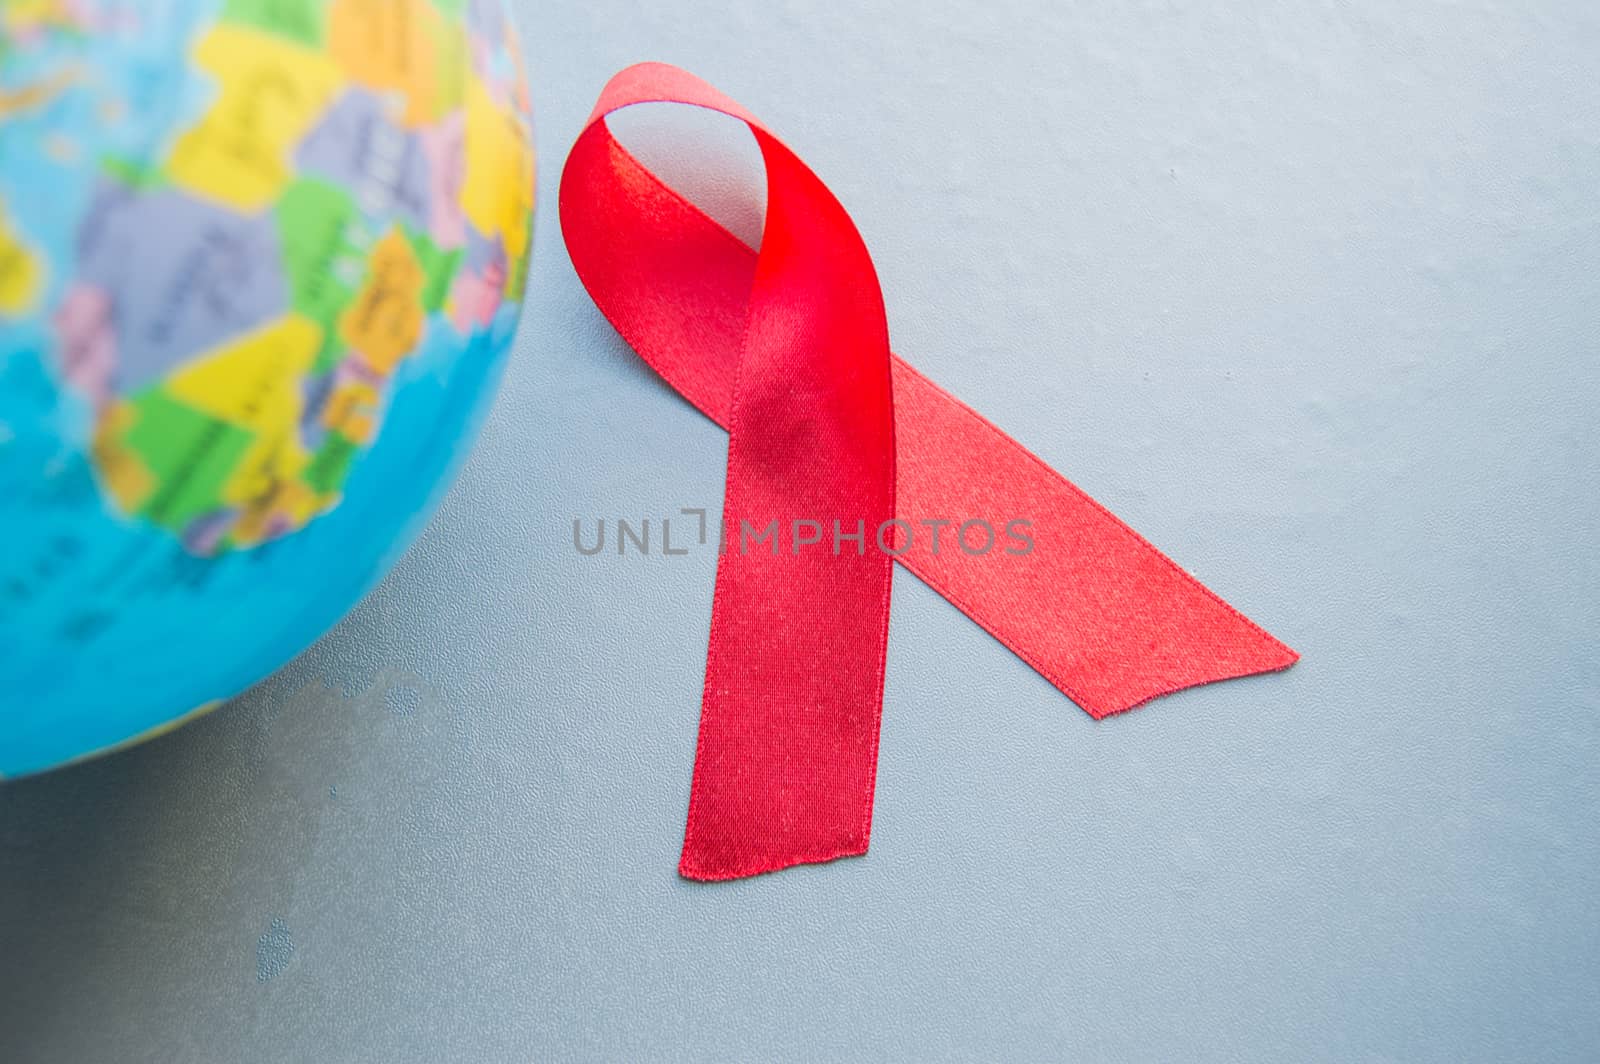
x=260, y=266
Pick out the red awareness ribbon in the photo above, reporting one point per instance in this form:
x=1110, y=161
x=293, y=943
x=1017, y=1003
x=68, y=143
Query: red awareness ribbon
x=787, y=349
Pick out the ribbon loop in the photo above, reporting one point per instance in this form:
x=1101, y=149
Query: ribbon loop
x=787, y=349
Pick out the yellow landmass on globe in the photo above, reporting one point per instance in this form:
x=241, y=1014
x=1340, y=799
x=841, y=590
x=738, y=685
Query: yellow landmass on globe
x=127, y=479
x=288, y=502
x=271, y=90
x=253, y=382
x=21, y=16
x=402, y=46
x=21, y=273
x=384, y=321
x=274, y=460
x=497, y=192
x=351, y=410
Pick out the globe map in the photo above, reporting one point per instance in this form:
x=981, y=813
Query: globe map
x=260, y=266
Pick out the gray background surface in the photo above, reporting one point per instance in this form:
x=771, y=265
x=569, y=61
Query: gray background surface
x=1307, y=292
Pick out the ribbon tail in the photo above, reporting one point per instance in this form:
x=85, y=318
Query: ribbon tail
x=1084, y=599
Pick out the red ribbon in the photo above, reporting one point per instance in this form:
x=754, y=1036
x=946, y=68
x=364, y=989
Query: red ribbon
x=787, y=348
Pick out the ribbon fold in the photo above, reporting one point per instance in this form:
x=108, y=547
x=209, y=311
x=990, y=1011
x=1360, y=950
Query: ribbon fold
x=787, y=348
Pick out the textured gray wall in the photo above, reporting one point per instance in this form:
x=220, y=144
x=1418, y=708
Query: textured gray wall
x=1306, y=292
